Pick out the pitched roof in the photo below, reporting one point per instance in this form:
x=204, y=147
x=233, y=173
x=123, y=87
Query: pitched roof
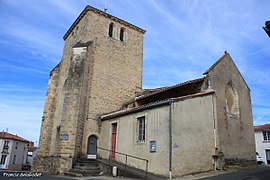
x=162, y=89
x=216, y=63
x=90, y=8
x=6, y=135
x=220, y=60
x=262, y=127
x=152, y=105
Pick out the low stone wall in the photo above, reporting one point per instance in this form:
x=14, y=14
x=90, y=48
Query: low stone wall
x=239, y=162
x=52, y=165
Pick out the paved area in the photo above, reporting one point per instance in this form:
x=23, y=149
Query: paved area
x=219, y=174
x=99, y=178
x=26, y=175
x=232, y=173
x=262, y=173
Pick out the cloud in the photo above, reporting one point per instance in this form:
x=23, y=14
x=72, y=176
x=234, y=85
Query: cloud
x=23, y=68
x=21, y=114
x=21, y=110
x=183, y=38
x=21, y=119
x=33, y=37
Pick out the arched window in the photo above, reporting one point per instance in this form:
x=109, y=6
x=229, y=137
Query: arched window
x=232, y=101
x=111, y=30
x=122, y=30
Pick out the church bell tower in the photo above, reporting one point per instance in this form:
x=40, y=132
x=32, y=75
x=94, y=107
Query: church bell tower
x=100, y=69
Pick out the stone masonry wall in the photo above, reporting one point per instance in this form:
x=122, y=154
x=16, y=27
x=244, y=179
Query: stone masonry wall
x=109, y=75
x=117, y=70
x=49, y=113
x=52, y=164
x=236, y=135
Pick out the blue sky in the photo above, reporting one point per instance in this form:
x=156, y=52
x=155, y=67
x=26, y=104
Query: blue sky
x=183, y=38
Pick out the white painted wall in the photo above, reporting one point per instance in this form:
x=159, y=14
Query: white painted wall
x=261, y=145
x=20, y=152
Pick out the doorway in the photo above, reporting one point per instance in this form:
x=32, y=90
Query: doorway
x=114, y=131
x=267, y=152
x=92, y=147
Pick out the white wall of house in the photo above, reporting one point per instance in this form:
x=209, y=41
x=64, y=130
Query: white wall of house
x=7, y=153
x=261, y=145
x=18, y=155
x=15, y=156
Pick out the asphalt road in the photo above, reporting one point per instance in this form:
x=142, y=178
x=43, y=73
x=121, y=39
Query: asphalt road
x=26, y=175
x=262, y=173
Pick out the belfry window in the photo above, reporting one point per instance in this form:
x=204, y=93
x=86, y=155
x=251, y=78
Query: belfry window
x=232, y=101
x=110, y=33
x=122, y=34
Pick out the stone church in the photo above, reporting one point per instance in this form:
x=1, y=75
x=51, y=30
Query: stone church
x=96, y=107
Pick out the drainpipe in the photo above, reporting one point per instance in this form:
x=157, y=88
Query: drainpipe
x=170, y=139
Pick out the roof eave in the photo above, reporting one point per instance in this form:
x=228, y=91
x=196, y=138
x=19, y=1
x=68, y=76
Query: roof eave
x=157, y=104
x=218, y=61
x=170, y=87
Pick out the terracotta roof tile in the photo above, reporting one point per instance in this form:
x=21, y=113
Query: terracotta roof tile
x=162, y=89
x=151, y=105
x=262, y=127
x=6, y=135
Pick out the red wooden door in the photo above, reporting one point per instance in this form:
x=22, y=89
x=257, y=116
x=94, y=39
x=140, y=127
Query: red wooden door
x=114, y=130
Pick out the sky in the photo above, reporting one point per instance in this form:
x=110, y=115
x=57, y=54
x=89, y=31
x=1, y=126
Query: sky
x=183, y=39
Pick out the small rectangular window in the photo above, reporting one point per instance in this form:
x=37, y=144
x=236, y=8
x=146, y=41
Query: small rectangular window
x=266, y=135
x=141, y=129
x=3, y=159
x=14, y=159
x=5, y=148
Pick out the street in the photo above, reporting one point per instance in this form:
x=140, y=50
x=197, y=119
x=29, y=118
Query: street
x=26, y=175
x=262, y=173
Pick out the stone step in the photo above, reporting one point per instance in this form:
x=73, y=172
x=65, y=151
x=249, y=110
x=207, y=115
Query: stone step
x=86, y=172
x=84, y=160
x=87, y=167
x=73, y=174
x=87, y=164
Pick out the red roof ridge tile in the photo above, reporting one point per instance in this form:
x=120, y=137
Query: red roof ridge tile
x=6, y=135
x=162, y=89
x=152, y=104
x=262, y=127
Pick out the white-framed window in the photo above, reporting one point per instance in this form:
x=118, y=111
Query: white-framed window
x=141, y=129
x=5, y=148
x=3, y=159
x=266, y=135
